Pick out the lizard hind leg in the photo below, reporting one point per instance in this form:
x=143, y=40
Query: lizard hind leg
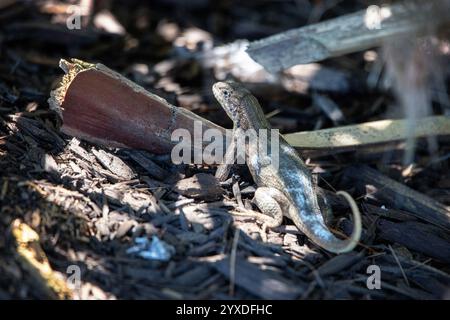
x=272, y=204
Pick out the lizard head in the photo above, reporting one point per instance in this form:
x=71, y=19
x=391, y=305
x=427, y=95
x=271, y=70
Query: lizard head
x=240, y=105
x=229, y=94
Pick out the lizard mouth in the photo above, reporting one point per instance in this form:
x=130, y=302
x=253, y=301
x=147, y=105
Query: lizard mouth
x=217, y=88
x=223, y=92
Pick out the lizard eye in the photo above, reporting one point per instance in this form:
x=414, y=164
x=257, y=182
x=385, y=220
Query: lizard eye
x=226, y=93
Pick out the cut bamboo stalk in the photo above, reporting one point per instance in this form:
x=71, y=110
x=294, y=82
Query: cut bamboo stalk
x=101, y=106
x=349, y=33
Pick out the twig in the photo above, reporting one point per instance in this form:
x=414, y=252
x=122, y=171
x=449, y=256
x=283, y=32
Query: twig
x=400, y=265
x=233, y=261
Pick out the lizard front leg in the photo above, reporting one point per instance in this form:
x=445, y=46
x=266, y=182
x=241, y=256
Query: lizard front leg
x=223, y=170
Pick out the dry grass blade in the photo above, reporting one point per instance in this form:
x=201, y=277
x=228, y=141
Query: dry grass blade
x=369, y=133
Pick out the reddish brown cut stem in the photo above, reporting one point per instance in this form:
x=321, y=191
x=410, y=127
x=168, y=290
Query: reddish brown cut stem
x=101, y=106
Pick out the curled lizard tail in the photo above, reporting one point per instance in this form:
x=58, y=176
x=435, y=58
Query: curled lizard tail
x=323, y=237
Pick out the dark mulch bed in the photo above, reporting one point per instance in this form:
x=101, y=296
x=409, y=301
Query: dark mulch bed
x=88, y=213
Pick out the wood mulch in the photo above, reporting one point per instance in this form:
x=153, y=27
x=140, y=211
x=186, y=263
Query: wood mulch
x=89, y=203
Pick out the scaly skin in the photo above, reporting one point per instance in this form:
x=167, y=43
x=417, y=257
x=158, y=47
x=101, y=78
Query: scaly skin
x=287, y=190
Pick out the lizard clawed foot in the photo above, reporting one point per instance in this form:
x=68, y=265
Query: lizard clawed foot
x=267, y=220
